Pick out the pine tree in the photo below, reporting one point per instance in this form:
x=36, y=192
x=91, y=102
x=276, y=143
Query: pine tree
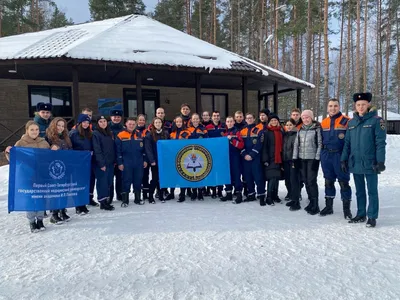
x=106, y=9
x=171, y=13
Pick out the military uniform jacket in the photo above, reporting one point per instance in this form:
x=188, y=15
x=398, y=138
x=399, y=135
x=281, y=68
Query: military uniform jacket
x=253, y=138
x=130, y=148
x=43, y=125
x=365, y=143
x=236, y=142
x=103, y=149
x=334, y=131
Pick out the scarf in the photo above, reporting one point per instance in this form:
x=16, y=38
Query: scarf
x=278, y=142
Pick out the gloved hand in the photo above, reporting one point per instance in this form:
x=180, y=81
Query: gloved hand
x=379, y=167
x=315, y=165
x=266, y=164
x=343, y=166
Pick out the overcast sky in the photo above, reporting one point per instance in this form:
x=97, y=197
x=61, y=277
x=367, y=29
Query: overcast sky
x=78, y=10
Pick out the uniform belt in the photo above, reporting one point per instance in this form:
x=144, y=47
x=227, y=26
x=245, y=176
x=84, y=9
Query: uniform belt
x=330, y=150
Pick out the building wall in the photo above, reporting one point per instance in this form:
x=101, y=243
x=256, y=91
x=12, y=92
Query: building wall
x=14, y=99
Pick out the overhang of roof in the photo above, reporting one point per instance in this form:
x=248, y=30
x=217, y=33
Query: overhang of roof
x=110, y=51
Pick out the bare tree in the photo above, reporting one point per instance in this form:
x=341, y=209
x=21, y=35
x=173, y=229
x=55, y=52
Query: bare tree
x=326, y=51
x=348, y=64
x=338, y=92
x=365, y=46
x=358, y=60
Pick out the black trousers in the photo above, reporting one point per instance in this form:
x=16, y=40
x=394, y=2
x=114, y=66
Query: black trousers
x=155, y=180
x=309, y=177
x=292, y=180
x=145, y=180
x=118, y=184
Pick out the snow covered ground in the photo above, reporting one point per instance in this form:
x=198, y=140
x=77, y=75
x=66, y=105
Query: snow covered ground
x=208, y=250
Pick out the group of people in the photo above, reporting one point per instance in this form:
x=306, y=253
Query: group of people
x=260, y=153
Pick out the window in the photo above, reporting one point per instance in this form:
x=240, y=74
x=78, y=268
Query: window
x=212, y=102
x=59, y=97
x=151, y=101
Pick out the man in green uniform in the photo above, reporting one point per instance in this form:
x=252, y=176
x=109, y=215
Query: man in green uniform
x=364, y=156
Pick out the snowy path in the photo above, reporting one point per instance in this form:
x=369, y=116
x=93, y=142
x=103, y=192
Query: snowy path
x=208, y=250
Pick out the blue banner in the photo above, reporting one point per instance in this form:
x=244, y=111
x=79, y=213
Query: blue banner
x=193, y=163
x=42, y=179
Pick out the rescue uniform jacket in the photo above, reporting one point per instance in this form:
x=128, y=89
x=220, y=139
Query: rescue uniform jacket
x=253, y=138
x=103, y=149
x=150, y=144
x=179, y=134
x=43, y=124
x=236, y=142
x=198, y=132
x=334, y=131
x=308, y=143
x=116, y=128
x=240, y=126
x=365, y=143
x=130, y=148
x=215, y=130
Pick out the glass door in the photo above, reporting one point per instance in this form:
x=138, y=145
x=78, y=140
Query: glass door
x=151, y=101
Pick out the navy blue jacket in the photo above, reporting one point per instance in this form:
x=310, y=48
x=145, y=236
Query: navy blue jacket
x=79, y=142
x=115, y=128
x=43, y=125
x=130, y=149
x=103, y=149
x=241, y=125
x=151, y=145
x=215, y=130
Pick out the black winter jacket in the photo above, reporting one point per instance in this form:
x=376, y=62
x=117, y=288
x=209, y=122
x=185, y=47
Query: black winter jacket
x=103, y=149
x=288, y=144
x=151, y=145
x=273, y=170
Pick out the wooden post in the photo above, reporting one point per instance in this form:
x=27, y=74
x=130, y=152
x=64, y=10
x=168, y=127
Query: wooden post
x=199, y=108
x=298, y=99
x=75, y=93
x=244, y=94
x=139, y=97
x=276, y=98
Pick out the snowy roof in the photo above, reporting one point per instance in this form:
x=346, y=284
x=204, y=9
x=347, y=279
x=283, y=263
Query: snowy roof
x=391, y=116
x=132, y=39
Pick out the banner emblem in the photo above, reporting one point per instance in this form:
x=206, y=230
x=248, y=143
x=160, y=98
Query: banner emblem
x=57, y=169
x=194, y=163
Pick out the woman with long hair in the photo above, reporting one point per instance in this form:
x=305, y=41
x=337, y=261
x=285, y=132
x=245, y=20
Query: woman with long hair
x=156, y=133
x=81, y=139
x=178, y=132
x=104, y=157
x=58, y=138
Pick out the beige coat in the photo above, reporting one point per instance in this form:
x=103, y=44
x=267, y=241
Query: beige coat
x=28, y=142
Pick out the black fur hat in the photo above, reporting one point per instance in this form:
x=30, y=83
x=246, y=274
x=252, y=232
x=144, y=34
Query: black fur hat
x=44, y=106
x=362, y=96
x=265, y=111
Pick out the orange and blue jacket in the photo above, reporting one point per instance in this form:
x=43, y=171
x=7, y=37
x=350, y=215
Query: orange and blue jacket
x=215, y=130
x=334, y=131
x=179, y=134
x=253, y=137
x=130, y=148
x=198, y=132
x=236, y=142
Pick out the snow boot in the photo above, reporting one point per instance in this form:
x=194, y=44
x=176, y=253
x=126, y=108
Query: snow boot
x=206, y=191
x=250, y=198
x=219, y=194
x=328, y=210
x=93, y=203
x=291, y=202
x=125, y=199
x=214, y=192
x=138, y=200
x=269, y=201
x=200, y=195
x=181, y=197
x=40, y=225
x=228, y=197
x=358, y=219
x=33, y=227
x=277, y=199
x=64, y=216
x=238, y=199
x=262, y=200
x=189, y=192
x=145, y=195
x=314, y=207
x=295, y=206
x=161, y=196
x=371, y=223
x=346, y=209
x=171, y=195
x=55, y=219
x=308, y=207
x=105, y=205
x=287, y=197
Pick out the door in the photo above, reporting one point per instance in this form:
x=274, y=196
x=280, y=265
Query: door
x=151, y=101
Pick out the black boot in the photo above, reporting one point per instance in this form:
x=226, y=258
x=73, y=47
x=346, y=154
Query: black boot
x=200, y=195
x=238, y=199
x=295, y=206
x=64, y=216
x=181, y=197
x=109, y=200
x=151, y=197
x=219, y=193
x=125, y=199
x=40, y=225
x=358, y=219
x=106, y=205
x=193, y=195
x=269, y=201
x=84, y=210
x=328, y=210
x=207, y=192
x=287, y=197
x=228, y=197
x=138, y=200
x=171, y=195
x=161, y=196
x=55, y=219
x=346, y=209
x=145, y=195
x=214, y=192
x=93, y=203
x=262, y=200
x=249, y=198
x=189, y=192
x=314, y=207
x=308, y=207
x=291, y=202
x=371, y=223
x=33, y=227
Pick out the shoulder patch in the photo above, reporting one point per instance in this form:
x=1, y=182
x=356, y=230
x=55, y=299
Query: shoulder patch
x=382, y=124
x=344, y=121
